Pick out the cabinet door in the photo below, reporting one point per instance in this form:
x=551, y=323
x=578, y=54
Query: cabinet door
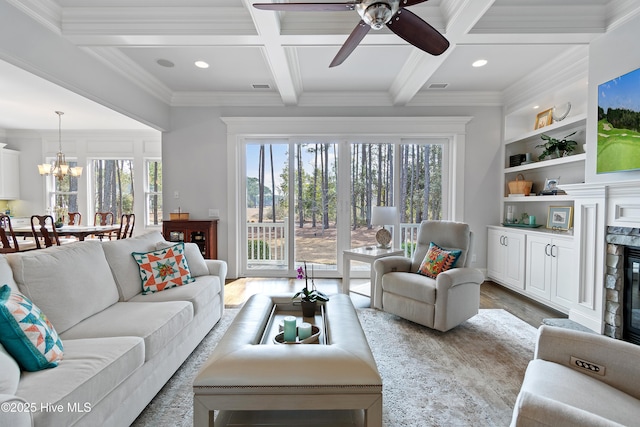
x=9, y=174
x=563, y=289
x=539, y=266
x=495, y=254
x=514, y=244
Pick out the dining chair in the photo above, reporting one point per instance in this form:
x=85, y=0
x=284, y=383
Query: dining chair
x=44, y=231
x=103, y=219
x=127, y=221
x=8, y=240
x=74, y=218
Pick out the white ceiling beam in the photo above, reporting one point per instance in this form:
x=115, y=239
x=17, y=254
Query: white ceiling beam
x=421, y=66
x=268, y=26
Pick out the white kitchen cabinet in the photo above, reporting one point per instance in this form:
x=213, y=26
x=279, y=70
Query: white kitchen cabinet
x=9, y=174
x=550, y=270
x=506, y=257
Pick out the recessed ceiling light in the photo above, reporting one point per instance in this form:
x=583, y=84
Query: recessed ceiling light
x=165, y=63
x=535, y=107
x=201, y=64
x=480, y=63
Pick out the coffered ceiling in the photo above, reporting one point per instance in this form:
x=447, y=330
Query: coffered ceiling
x=265, y=58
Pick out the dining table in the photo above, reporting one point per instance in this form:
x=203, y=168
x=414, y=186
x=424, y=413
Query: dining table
x=78, y=231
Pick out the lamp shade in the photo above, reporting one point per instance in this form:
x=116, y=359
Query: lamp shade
x=384, y=215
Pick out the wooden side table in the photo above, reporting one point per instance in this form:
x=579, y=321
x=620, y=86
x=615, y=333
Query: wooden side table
x=204, y=233
x=365, y=254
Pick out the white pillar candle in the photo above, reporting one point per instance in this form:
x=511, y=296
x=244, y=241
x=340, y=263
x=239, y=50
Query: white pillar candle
x=290, y=328
x=304, y=331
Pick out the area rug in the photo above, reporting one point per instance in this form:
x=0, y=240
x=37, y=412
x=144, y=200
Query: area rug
x=469, y=376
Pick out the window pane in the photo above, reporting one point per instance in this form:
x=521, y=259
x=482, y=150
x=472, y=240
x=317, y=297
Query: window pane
x=154, y=192
x=371, y=185
x=420, y=182
x=113, y=186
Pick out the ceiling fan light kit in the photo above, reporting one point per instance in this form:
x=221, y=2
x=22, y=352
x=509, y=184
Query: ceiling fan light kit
x=375, y=14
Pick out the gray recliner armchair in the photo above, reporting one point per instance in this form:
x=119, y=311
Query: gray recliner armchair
x=441, y=303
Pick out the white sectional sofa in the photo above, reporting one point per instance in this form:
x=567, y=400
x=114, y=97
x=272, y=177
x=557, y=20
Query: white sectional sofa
x=120, y=346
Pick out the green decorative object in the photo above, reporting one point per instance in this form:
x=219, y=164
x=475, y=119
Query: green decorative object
x=558, y=147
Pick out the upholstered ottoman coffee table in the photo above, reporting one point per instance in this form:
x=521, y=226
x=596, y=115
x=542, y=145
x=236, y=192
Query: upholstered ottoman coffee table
x=248, y=371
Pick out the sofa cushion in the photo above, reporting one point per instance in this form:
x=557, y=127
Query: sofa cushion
x=410, y=285
x=163, y=268
x=124, y=267
x=91, y=369
x=26, y=332
x=199, y=293
x=9, y=373
x=157, y=323
x=6, y=274
x=438, y=260
x=197, y=264
x=551, y=391
x=69, y=283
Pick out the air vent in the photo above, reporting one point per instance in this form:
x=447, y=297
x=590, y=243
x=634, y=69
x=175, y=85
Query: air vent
x=438, y=85
x=263, y=86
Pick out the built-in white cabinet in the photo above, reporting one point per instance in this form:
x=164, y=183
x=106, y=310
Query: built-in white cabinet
x=506, y=257
x=551, y=270
x=9, y=174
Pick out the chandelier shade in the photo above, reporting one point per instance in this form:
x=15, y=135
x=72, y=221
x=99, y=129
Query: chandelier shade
x=59, y=168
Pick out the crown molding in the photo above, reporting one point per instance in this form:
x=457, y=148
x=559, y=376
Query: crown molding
x=433, y=98
x=46, y=12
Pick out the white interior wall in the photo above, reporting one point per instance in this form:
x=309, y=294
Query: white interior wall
x=611, y=55
x=195, y=161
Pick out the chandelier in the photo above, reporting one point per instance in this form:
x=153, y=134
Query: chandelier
x=59, y=168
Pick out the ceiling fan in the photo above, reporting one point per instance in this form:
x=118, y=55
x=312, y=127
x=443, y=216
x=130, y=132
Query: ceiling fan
x=375, y=14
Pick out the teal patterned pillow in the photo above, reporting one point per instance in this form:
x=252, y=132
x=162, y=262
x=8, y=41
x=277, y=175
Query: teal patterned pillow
x=163, y=269
x=438, y=260
x=26, y=333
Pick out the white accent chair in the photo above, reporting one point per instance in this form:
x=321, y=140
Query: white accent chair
x=441, y=303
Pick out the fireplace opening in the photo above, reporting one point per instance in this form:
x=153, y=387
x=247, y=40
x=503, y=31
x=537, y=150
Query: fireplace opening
x=631, y=310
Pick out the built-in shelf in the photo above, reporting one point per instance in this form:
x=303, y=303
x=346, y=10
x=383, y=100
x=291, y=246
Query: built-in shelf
x=558, y=198
x=548, y=163
x=568, y=123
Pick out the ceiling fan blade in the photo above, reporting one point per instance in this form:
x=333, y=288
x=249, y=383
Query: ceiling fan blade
x=405, y=3
x=352, y=42
x=413, y=29
x=307, y=7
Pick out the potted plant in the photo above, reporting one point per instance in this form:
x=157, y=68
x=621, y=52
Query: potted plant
x=308, y=298
x=558, y=147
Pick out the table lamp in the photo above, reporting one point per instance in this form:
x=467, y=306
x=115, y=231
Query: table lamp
x=383, y=215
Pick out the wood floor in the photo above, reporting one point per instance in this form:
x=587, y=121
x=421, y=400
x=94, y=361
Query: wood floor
x=492, y=295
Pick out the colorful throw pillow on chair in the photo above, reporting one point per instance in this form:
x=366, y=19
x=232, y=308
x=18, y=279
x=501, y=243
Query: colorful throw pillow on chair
x=26, y=333
x=163, y=269
x=438, y=260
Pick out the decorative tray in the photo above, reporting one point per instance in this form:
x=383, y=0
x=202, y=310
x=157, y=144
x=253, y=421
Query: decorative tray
x=315, y=334
x=522, y=225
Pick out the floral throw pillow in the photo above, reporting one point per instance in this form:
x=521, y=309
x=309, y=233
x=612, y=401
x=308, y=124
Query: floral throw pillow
x=163, y=269
x=438, y=260
x=26, y=333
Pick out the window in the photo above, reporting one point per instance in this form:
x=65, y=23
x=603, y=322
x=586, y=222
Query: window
x=64, y=196
x=153, y=192
x=112, y=183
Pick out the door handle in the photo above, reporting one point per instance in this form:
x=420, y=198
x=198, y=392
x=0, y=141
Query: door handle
x=556, y=255
x=546, y=249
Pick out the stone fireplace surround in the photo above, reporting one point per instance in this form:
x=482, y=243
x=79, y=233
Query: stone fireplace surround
x=617, y=239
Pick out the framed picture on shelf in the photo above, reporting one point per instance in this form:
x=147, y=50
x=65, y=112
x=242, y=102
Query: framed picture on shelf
x=560, y=217
x=551, y=184
x=544, y=118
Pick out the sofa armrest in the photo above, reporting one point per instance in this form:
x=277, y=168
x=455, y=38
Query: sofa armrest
x=535, y=410
x=612, y=356
x=458, y=276
x=217, y=268
x=383, y=266
x=15, y=411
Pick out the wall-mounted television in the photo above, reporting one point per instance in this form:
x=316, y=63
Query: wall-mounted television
x=619, y=124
